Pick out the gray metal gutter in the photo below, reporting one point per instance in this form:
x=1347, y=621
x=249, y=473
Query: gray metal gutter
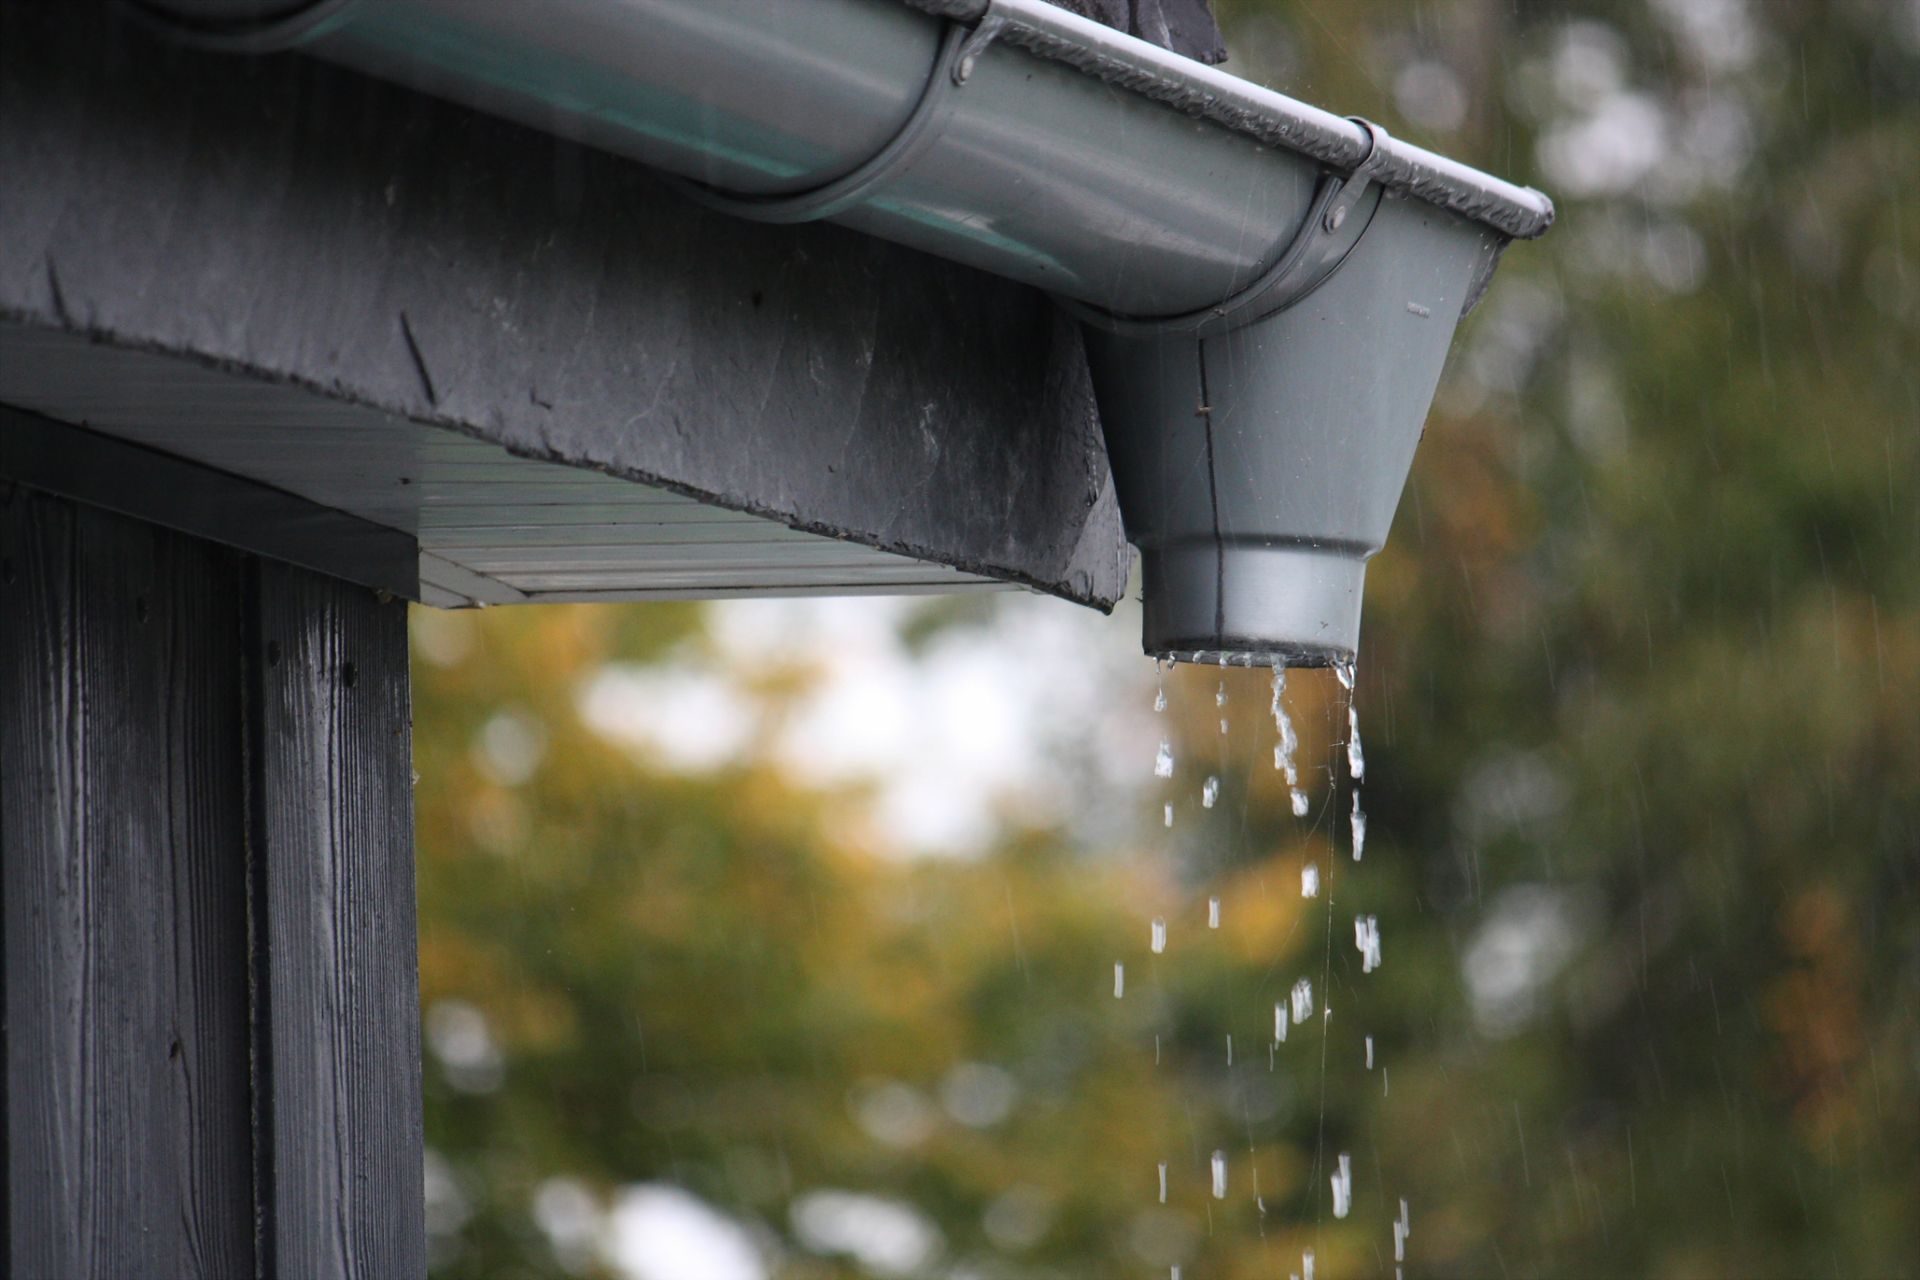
x=1112, y=200
x=1267, y=290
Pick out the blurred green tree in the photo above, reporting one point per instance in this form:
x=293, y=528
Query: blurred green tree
x=1641, y=690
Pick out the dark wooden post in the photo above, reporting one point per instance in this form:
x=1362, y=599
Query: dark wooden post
x=210, y=1015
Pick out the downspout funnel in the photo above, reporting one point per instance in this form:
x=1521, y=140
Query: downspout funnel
x=1259, y=448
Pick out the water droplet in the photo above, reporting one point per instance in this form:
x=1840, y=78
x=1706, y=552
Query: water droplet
x=1369, y=1053
x=1219, y=1175
x=1306, y=1265
x=1356, y=754
x=1220, y=695
x=1366, y=938
x=1169, y=815
x=1342, y=1181
x=1344, y=671
x=1209, y=793
x=1160, y=699
x=1302, y=1000
x=1159, y=935
x=1402, y=1228
x=1310, y=880
x=1213, y=913
x=1280, y=1022
x=1223, y=724
x=1289, y=743
x=1163, y=1182
x=1229, y=1050
x=1358, y=823
x=1163, y=760
x=1119, y=980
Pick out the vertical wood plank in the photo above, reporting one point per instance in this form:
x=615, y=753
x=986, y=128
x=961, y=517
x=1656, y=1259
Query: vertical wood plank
x=127, y=1147
x=339, y=1022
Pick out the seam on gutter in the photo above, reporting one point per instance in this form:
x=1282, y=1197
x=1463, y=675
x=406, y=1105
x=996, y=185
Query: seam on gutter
x=1213, y=496
x=1274, y=119
x=284, y=28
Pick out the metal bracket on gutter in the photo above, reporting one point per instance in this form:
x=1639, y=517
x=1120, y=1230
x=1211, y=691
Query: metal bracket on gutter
x=960, y=48
x=1272, y=118
x=288, y=29
x=976, y=44
x=1341, y=211
x=1340, y=214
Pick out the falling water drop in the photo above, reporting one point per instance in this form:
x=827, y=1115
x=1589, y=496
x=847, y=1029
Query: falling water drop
x=1342, y=1181
x=1306, y=1265
x=1160, y=698
x=1229, y=1048
x=1302, y=1001
x=1356, y=755
x=1223, y=724
x=1209, y=792
x=1169, y=815
x=1402, y=1228
x=1358, y=822
x=1366, y=938
x=1283, y=750
x=1219, y=1175
x=1280, y=1022
x=1163, y=760
x=1356, y=758
x=1119, y=980
x=1220, y=695
x=1310, y=880
x=1163, y=1182
x=1213, y=913
x=1369, y=1053
x=1159, y=935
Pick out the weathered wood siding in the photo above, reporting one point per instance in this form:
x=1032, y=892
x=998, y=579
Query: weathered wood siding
x=333, y=817
x=209, y=1029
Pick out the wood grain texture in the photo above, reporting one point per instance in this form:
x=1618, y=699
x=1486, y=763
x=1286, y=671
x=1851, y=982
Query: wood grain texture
x=339, y=1024
x=125, y=939
x=209, y=1023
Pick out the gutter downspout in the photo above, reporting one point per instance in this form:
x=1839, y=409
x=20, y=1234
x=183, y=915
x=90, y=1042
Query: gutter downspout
x=1267, y=291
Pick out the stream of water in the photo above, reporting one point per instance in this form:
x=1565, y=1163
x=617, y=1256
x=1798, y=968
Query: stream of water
x=1298, y=1006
